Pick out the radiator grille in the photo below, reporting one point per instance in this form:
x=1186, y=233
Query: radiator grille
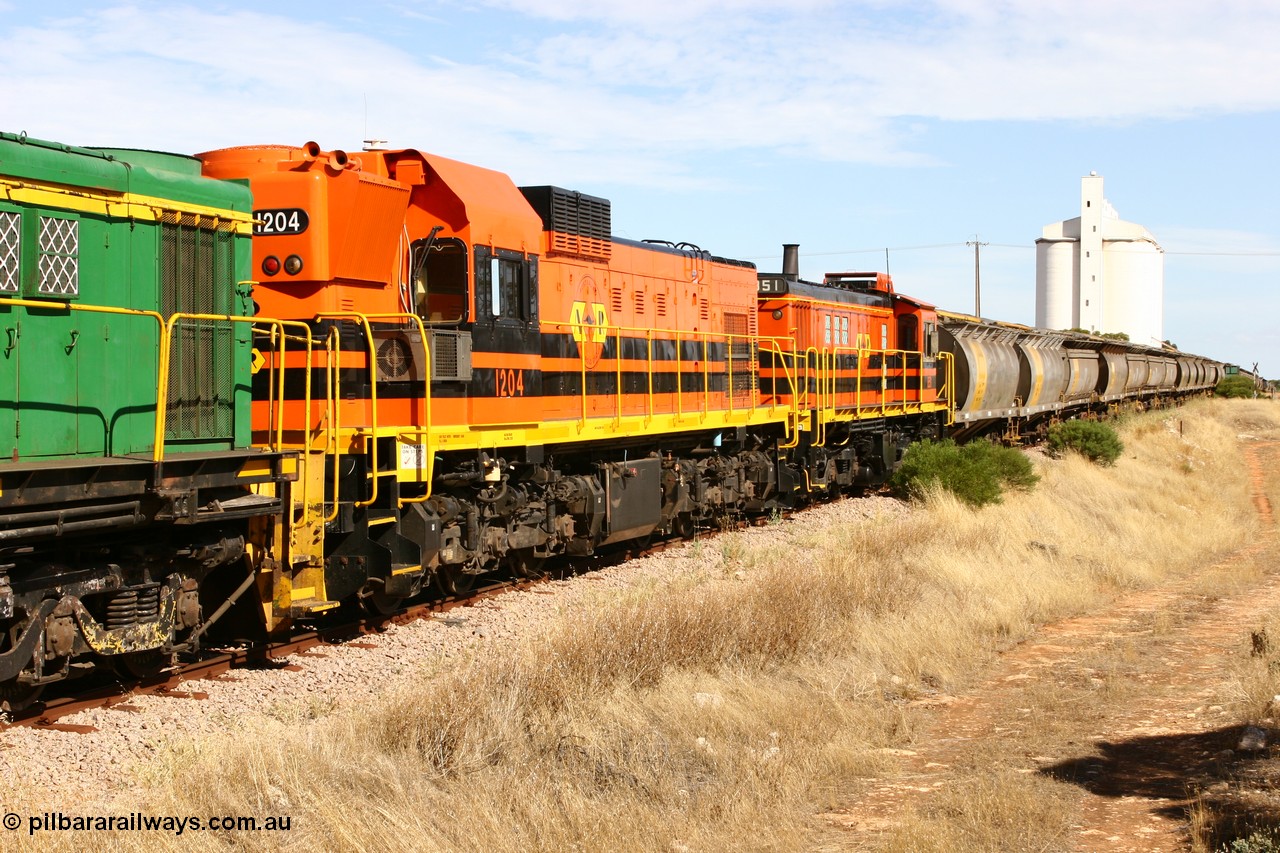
x=197, y=276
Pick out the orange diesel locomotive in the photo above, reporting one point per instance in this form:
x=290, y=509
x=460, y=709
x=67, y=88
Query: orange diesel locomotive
x=477, y=375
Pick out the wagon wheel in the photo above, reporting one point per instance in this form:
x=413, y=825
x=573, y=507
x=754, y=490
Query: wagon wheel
x=16, y=696
x=525, y=565
x=375, y=599
x=453, y=581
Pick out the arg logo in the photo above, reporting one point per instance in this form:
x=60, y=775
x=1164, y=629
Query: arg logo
x=588, y=324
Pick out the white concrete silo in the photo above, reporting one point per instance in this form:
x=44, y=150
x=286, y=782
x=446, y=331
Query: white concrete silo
x=1057, y=274
x=1100, y=273
x=1134, y=273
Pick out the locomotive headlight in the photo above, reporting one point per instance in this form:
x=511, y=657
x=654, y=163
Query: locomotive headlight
x=293, y=264
x=777, y=313
x=270, y=265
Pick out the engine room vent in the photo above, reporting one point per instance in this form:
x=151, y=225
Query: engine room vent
x=580, y=224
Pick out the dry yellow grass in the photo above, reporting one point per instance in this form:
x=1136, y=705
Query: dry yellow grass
x=725, y=714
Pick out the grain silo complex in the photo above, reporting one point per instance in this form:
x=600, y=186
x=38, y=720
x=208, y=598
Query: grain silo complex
x=1100, y=273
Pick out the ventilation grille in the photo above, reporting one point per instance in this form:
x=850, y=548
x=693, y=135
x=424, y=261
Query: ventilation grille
x=641, y=307
x=399, y=355
x=616, y=300
x=450, y=356
x=581, y=225
x=59, y=256
x=741, y=354
x=660, y=304
x=196, y=220
x=394, y=359
x=445, y=357
x=10, y=251
x=197, y=276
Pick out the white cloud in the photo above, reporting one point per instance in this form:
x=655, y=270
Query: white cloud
x=639, y=86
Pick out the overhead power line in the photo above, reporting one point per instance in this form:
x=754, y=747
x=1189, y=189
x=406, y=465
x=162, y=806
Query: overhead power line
x=1021, y=246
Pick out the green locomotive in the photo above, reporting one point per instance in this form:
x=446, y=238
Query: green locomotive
x=125, y=361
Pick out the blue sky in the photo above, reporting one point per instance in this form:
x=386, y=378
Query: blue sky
x=738, y=125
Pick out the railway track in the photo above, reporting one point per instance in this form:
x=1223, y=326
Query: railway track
x=183, y=681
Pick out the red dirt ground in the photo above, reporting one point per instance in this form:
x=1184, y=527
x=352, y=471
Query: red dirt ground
x=1141, y=758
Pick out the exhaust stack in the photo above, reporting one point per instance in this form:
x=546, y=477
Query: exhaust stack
x=791, y=261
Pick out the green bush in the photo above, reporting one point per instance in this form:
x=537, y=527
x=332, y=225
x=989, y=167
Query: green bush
x=977, y=473
x=1235, y=386
x=1092, y=439
x=1264, y=841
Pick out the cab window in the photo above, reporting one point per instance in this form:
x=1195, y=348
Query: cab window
x=505, y=286
x=439, y=280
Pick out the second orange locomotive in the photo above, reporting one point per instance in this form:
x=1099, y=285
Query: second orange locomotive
x=480, y=375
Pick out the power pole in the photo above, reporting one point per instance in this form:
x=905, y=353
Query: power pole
x=977, y=274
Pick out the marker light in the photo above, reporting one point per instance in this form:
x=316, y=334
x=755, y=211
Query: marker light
x=270, y=265
x=293, y=265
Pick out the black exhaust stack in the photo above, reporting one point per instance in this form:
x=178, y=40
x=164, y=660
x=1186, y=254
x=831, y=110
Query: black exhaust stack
x=791, y=261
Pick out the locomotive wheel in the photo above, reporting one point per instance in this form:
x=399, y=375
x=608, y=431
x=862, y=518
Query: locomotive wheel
x=375, y=600
x=141, y=664
x=16, y=697
x=684, y=526
x=453, y=581
x=524, y=565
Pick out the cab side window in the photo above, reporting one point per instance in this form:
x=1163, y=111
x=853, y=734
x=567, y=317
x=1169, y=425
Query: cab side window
x=439, y=280
x=506, y=286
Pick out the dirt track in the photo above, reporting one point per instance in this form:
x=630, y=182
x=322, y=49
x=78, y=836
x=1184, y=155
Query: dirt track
x=1140, y=750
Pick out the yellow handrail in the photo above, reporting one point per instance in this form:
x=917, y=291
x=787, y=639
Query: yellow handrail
x=949, y=360
x=582, y=363
x=425, y=431
x=648, y=419
x=158, y=450
x=791, y=424
x=306, y=481
x=617, y=389
x=679, y=382
x=332, y=347
x=166, y=352
x=363, y=320
x=706, y=380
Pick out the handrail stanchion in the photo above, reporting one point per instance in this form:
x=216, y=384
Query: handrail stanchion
x=363, y=320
